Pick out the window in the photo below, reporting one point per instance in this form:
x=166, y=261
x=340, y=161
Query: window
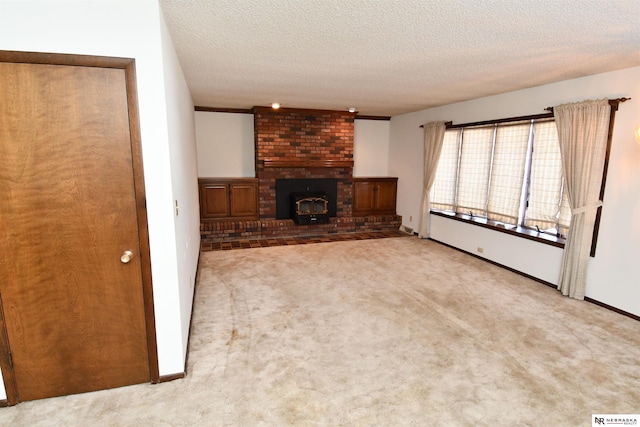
x=506, y=172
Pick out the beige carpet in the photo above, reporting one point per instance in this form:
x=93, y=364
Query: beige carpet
x=389, y=332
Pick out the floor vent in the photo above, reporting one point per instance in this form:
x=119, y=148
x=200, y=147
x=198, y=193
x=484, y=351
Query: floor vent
x=406, y=229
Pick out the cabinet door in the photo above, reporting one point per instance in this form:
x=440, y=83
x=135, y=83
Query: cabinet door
x=386, y=197
x=214, y=201
x=243, y=200
x=363, y=196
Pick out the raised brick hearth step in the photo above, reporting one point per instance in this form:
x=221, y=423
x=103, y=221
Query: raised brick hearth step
x=269, y=228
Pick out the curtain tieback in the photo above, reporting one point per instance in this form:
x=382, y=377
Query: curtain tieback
x=586, y=208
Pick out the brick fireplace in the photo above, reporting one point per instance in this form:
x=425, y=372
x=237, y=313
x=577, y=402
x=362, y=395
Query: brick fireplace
x=307, y=145
x=303, y=144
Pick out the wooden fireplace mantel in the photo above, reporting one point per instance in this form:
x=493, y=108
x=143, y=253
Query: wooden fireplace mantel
x=287, y=163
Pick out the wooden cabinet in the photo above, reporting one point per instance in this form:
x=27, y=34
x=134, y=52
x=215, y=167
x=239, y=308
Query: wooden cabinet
x=228, y=198
x=374, y=196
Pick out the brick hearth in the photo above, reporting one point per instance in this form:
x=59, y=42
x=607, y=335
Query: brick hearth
x=239, y=230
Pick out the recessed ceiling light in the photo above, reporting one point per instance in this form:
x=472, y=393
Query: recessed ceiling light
x=352, y=109
x=275, y=105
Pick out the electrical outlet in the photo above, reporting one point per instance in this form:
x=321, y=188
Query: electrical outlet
x=176, y=208
x=410, y=218
x=480, y=250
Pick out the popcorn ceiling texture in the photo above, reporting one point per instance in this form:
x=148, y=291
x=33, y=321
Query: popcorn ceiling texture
x=390, y=57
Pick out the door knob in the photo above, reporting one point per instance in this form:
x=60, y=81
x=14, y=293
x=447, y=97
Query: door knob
x=126, y=256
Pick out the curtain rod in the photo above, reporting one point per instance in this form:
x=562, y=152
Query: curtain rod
x=449, y=125
x=506, y=120
x=613, y=102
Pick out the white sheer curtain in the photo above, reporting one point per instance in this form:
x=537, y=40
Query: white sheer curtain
x=443, y=191
x=545, y=179
x=582, y=133
x=433, y=137
x=475, y=169
x=507, y=171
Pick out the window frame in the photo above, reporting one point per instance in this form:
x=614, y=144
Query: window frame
x=520, y=231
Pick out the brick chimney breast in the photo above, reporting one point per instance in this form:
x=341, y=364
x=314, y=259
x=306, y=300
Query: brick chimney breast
x=293, y=143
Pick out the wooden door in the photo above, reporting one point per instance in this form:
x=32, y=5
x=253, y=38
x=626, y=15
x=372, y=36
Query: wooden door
x=74, y=311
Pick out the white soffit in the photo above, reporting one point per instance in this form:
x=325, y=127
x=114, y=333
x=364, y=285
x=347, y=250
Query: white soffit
x=390, y=57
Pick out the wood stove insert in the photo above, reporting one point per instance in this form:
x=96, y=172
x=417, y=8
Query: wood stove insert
x=310, y=208
x=315, y=196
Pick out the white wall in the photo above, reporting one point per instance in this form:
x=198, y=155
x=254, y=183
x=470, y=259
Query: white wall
x=501, y=248
x=614, y=274
x=225, y=145
x=184, y=178
x=133, y=29
x=371, y=148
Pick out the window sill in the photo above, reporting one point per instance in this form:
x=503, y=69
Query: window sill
x=524, y=233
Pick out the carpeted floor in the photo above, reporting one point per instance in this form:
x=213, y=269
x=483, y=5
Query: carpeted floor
x=387, y=332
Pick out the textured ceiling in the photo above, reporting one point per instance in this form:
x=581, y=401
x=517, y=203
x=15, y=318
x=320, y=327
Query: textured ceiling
x=388, y=57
